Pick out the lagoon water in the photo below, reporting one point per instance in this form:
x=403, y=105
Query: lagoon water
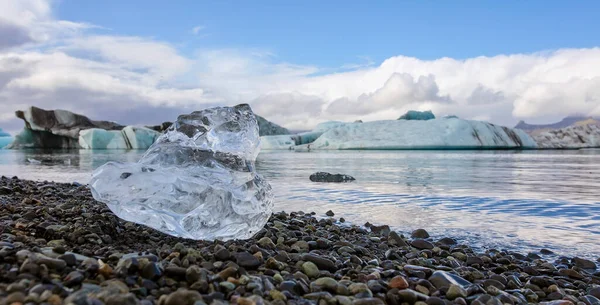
x=523, y=200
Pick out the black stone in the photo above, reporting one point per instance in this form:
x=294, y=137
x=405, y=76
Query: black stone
x=327, y=177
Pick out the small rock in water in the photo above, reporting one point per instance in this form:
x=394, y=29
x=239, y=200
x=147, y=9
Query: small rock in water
x=203, y=183
x=584, y=263
x=419, y=233
x=327, y=177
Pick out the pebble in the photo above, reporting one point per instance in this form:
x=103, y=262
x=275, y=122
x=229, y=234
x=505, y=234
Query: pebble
x=595, y=292
x=73, y=279
x=310, y=269
x=222, y=254
x=444, y=279
x=421, y=244
x=584, y=263
x=151, y=271
x=455, y=291
x=590, y=300
x=419, y=233
x=368, y=301
x=321, y=262
x=474, y=260
x=247, y=260
x=266, y=243
x=398, y=282
x=397, y=240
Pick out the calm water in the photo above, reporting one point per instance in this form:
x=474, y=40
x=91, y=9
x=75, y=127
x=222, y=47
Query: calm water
x=512, y=199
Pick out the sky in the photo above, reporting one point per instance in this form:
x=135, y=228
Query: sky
x=299, y=63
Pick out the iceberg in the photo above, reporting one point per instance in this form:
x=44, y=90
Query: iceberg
x=5, y=141
x=307, y=137
x=61, y=122
x=4, y=134
x=573, y=137
x=97, y=138
x=5, y=138
x=198, y=180
x=54, y=128
x=283, y=142
x=323, y=127
x=451, y=133
x=129, y=138
x=29, y=138
x=140, y=137
x=289, y=142
x=417, y=115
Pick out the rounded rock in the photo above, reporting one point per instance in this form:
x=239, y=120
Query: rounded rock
x=420, y=233
x=310, y=269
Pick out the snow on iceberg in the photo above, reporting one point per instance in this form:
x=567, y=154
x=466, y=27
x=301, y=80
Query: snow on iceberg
x=573, y=137
x=416, y=134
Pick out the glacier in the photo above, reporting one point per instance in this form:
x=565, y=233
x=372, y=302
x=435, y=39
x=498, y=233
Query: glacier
x=445, y=133
x=198, y=180
x=573, y=137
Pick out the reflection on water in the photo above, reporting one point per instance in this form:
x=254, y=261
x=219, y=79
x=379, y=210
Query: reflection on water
x=531, y=199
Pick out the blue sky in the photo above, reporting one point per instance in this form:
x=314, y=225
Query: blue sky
x=336, y=33
x=300, y=63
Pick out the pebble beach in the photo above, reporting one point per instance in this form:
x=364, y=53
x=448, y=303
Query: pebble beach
x=60, y=246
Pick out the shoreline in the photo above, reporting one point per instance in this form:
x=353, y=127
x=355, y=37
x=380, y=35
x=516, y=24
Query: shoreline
x=58, y=245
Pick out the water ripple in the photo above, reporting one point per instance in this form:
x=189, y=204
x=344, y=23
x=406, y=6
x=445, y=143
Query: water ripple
x=504, y=199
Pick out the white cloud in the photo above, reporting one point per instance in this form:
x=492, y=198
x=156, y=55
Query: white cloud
x=60, y=64
x=197, y=29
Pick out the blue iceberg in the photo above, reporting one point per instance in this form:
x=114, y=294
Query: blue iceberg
x=419, y=134
x=417, y=115
x=130, y=137
x=5, y=138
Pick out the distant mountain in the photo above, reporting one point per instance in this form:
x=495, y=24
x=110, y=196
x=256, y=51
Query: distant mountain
x=267, y=128
x=566, y=122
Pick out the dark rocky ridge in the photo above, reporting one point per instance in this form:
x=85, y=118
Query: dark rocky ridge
x=61, y=122
x=566, y=122
x=267, y=128
x=59, y=246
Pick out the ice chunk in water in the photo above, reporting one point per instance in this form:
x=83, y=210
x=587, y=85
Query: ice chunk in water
x=196, y=181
